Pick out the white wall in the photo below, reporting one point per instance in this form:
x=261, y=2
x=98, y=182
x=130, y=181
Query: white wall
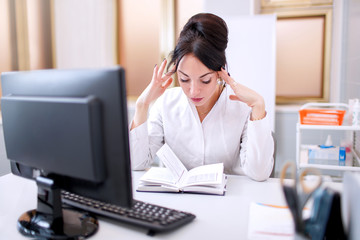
x=336, y=51
x=251, y=55
x=85, y=33
x=229, y=7
x=351, y=50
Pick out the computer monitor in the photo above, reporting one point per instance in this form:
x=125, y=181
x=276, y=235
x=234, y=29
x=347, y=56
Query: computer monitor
x=68, y=130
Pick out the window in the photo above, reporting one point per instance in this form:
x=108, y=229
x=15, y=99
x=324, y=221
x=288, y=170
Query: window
x=303, y=49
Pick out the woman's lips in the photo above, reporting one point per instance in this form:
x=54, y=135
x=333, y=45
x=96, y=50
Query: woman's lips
x=196, y=99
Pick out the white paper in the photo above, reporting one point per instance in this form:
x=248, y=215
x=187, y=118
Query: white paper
x=171, y=161
x=270, y=222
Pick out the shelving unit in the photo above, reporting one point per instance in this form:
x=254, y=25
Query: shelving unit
x=302, y=149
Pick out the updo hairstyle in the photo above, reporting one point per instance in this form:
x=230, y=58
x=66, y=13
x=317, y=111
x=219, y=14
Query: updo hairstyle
x=206, y=36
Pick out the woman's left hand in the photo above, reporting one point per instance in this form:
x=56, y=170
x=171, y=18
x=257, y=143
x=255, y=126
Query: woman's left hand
x=246, y=95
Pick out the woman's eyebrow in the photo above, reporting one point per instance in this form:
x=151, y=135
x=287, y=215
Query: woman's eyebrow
x=183, y=73
x=199, y=77
x=206, y=74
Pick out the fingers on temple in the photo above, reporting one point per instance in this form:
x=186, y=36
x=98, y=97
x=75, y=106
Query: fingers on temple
x=225, y=76
x=155, y=72
x=167, y=83
x=162, y=68
x=171, y=71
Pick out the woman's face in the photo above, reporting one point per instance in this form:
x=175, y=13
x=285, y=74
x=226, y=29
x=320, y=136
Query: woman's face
x=198, y=82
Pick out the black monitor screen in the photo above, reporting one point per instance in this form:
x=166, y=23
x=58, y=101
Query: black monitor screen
x=70, y=126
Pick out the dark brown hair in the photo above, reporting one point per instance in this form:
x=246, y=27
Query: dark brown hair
x=206, y=36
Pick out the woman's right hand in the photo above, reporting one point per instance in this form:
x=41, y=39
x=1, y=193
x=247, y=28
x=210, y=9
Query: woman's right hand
x=155, y=89
x=157, y=86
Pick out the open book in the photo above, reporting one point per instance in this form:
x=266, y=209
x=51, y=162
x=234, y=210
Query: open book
x=207, y=179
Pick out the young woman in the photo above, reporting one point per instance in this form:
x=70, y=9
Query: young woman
x=210, y=118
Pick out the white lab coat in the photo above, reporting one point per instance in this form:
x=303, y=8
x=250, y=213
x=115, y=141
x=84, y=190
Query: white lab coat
x=225, y=135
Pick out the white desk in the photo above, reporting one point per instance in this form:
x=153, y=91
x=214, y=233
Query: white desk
x=217, y=217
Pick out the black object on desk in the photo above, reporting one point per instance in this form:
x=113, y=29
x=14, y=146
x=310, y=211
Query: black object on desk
x=325, y=221
x=153, y=217
x=297, y=193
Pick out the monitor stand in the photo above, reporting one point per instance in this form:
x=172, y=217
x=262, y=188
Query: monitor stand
x=50, y=220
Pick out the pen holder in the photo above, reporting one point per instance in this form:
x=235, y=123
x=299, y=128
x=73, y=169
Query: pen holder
x=325, y=221
x=297, y=193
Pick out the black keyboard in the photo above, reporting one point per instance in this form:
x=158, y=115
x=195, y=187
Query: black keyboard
x=152, y=217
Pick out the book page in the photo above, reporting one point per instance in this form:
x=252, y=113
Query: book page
x=172, y=162
x=218, y=189
x=159, y=175
x=205, y=175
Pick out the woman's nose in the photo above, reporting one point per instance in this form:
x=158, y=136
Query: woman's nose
x=194, y=89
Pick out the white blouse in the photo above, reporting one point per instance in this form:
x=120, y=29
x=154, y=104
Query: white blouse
x=225, y=135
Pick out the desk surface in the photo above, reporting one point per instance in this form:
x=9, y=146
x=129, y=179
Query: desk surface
x=217, y=217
